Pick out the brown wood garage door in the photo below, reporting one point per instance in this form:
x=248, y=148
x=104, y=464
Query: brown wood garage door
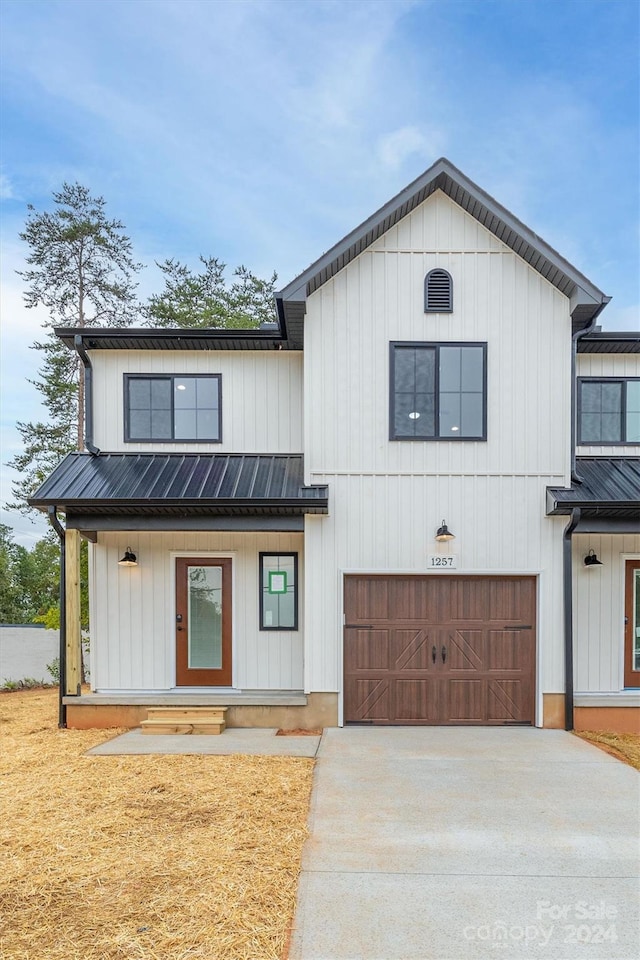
x=439, y=649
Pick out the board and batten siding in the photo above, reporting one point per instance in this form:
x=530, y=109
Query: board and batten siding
x=608, y=365
x=133, y=611
x=387, y=524
x=388, y=497
x=378, y=298
x=598, y=605
x=261, y=398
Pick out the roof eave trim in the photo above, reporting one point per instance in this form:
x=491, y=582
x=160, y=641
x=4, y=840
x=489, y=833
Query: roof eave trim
x=160, y=334
x=564, y=507
x=585, y=293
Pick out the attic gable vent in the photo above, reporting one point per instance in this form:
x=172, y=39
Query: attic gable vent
x=438, y=292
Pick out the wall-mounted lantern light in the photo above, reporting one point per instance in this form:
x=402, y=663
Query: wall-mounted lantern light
x=129, y=559
x=591, y=560
x=443, y=533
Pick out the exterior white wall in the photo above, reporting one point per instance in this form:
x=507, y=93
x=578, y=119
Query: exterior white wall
x=388, y=525
x=378, y=298
x=388, y=497
x=133, y=611
x=608, y=365
x=261, y=398
x=598, y=604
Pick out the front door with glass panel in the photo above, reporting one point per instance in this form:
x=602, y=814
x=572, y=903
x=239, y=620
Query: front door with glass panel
x=632, y=624
x=203, y=622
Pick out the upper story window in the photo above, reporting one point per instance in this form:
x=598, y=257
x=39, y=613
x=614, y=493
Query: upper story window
x=168, y=408
x=438, y=292
x=609, y=411
x=438, y=391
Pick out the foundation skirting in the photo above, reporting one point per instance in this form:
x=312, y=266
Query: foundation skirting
x=320, y=710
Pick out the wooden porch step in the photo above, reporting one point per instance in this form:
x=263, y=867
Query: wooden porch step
x=178, y=713
x=185, y=720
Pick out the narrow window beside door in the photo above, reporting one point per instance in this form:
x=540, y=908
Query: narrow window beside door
x=278, y=591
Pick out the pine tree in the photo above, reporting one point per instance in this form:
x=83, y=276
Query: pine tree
x=81, y=269
x=203, y=299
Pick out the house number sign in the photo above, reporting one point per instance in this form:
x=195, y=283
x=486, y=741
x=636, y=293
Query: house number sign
x=442, y=562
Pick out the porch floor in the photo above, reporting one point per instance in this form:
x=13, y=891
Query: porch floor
x=192, y=698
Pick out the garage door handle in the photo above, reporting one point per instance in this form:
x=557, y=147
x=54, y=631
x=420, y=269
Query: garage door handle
x=358, y=626
x=433, y=654
x=444, y=654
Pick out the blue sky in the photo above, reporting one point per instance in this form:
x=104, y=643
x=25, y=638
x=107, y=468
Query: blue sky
x=262, y=132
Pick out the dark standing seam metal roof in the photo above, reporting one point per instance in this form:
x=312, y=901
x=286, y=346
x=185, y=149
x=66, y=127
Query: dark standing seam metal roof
x=610, y=488
x=586, y=299
x=214, y=484
x=610, y=342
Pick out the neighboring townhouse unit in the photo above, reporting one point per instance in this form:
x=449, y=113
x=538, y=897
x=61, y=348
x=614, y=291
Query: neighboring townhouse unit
x=379, y=510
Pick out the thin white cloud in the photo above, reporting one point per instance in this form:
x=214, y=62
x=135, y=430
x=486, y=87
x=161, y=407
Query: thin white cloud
x=6, y=188
x=263, y=131
x=394, y=149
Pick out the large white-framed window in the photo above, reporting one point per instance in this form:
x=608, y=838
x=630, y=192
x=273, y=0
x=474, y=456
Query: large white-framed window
x=166, y=408
x=608, y=410
x=438, y=391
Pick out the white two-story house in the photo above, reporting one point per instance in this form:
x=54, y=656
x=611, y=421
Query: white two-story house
x=386, y=509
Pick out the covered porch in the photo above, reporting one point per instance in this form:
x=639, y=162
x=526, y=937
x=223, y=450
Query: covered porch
x=602, y=592
x=217, y=536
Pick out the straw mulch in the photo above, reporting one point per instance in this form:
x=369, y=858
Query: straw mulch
x=118, y=858
x=624, y=746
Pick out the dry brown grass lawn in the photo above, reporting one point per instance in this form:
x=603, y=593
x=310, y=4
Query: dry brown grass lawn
x=118, y=858
x=624, y=746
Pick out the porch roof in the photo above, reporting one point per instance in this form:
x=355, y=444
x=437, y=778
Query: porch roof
x=184, y=491
x=609, y=495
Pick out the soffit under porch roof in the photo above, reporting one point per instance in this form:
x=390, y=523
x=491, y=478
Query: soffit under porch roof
x=608, y=497
x=586, y=300
x=128, y=491
x=150, y=338
x=607, y=341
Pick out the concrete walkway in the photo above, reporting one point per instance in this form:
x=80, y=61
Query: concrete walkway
x=437, y=843
x=250, y=741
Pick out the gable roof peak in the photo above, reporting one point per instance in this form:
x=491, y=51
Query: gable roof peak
x=586, y=299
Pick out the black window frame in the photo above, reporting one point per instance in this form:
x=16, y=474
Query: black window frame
x=623, y=413
x=171, y=378
x=261, y=587
x=438, y=309
x=431, y=345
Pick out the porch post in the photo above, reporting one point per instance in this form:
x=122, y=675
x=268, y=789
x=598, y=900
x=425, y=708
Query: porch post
x=73, y=638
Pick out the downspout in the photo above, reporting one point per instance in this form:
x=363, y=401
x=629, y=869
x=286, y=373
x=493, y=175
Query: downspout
x=567, y=564
x=575, y=477
x=88, y=394
x=567, y=577
x=59, y=529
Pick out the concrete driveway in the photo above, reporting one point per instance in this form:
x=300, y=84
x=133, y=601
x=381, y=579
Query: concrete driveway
x=441, y=843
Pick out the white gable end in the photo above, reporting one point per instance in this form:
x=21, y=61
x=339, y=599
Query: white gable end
x=498, y=299
x=439, y=224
